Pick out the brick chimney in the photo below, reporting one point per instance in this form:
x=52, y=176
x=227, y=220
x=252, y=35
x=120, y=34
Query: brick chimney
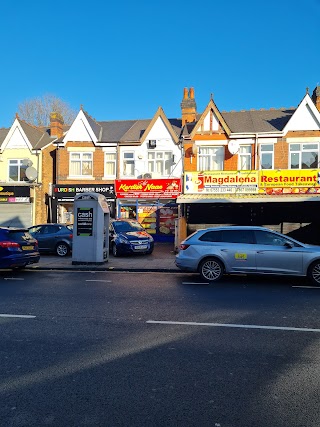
x=316, y=97
x=188, y=106
x=56, y=125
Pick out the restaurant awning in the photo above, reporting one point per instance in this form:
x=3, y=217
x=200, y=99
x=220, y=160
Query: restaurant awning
x=253, y=198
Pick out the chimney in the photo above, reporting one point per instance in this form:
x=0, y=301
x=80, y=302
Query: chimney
x=316, y=97
x=56, y=125
x=188, y=106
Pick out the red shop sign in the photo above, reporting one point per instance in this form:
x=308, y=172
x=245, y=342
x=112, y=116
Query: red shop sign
x=148, y=188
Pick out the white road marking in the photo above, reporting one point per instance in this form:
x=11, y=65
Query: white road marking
x=96, y=280
x=13, y=278
x=309, y=287
x=234, y=325
x=195, y=283
x=23, y=316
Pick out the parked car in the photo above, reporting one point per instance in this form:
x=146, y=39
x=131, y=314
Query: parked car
x=239, y=249
x=17, y=248
x=53, y=238
x=127, y=236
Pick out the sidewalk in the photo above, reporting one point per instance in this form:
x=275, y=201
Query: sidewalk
x=162, y=259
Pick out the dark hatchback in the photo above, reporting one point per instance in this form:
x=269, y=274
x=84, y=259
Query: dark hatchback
x=127, y=236
x=17, y=248
x=53, y=238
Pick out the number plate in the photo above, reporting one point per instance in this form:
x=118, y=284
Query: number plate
x=141, y=247
x=27, y=248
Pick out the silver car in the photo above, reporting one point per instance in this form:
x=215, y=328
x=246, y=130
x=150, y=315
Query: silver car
x=238, y=249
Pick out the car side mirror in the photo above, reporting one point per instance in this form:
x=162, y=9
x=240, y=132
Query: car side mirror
x=288, y=244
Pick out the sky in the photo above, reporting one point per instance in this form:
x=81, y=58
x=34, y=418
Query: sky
x=123, y=59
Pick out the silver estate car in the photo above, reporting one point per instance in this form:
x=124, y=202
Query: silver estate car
x=215, y=251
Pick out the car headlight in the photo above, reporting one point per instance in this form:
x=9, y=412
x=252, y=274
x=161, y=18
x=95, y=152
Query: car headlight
x=124, y=240
x=150, y=239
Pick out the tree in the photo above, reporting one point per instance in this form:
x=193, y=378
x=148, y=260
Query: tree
x=36, y=111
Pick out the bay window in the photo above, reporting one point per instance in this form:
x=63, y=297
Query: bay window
x=211, y=158
x=80, y=164
x=304, y=156
x=160, y=162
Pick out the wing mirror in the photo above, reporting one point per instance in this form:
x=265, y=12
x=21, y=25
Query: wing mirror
x=289, y=244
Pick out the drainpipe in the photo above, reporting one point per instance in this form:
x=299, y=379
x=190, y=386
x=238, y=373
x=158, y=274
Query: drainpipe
x=256, y=151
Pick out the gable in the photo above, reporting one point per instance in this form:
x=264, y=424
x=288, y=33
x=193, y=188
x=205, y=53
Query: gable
x=16, y=138
x=80, y=130
x=158, y=131
x=305, y=118
x=211, y=121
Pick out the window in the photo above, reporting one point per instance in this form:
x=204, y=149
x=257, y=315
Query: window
x=237, y=236
x=266, y=238
x=245, y=157
x=17, y=170
x=128, y=163
x=266, y=156
x=110, y=163
x=81, y=164
x=160, y=162
x=211, y=236
x=211, y=158
x=304, y=156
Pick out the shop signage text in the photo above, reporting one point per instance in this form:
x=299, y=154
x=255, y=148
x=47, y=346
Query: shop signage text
x=148, y=188
x=14, y=194
x=84, y=221
x=289, y=178
x=69, y=191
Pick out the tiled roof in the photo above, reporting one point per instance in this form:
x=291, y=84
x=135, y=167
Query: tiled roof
x=251, y=121
x=3, y=134
x=37, y=138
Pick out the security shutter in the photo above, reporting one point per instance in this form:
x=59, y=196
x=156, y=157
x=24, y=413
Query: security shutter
x=16, y=214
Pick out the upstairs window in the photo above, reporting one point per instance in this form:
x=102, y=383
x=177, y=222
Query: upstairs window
x=211, y=158
x=81, y=164
x=160, y=162
x=110, y=162
x=266, y=156
x=128, y=163
x=244, y=157
x=17, y=170
x=304, y=156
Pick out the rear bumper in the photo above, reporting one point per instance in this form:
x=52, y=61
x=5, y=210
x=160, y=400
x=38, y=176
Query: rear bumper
x=12, y=261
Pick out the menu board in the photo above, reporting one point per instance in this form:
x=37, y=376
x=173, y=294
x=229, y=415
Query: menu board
x=147, y=216
x=167, y=216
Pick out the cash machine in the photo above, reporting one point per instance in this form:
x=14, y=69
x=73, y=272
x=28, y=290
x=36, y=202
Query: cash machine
x=90, y=229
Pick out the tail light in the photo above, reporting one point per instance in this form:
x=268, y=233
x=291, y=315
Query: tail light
x=184, y=246
x=70, y=236
x=7, y=244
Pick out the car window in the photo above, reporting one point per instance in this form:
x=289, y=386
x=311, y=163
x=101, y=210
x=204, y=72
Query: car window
x=19, y=235
x=124, y=226
x=35, y=229
x=237, y=236
x=50, y=229
x=211, y=236
x=266, y=238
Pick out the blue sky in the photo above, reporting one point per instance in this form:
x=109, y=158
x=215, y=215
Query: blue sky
x=123, y=59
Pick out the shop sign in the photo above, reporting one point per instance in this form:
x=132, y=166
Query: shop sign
x=84, y=221
x=148, y=188
x=221, y=182
x=15, y=194
x=289, y=181
x=68, y=191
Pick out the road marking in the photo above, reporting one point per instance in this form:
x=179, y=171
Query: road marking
x=13, y=278
x=233, y=325
x=23, y=316
x=195, y=283
x=97, y=280
x=309, y=287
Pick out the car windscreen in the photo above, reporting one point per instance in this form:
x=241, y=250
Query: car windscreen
x=125, y=226
x=19, y=235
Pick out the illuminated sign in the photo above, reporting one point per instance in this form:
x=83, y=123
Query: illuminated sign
x=148, y=188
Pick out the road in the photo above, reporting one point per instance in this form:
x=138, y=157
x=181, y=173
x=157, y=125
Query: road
x=155, y=349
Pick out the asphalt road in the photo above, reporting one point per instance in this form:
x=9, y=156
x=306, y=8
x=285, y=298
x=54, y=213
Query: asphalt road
x=156, y=349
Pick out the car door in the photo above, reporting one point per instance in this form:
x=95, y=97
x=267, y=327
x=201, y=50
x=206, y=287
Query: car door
x=238, y=251
x=275, y=256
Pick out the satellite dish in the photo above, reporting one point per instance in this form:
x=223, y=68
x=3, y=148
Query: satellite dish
x=26, y=162
x=233, y=146
x=31, y=173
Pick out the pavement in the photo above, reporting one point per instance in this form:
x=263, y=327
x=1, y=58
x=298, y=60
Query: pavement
x=162, y=259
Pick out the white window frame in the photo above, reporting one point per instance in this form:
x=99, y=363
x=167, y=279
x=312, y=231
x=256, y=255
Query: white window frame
x=18, y=163
x=160, y=162
x=81, y=160
x=266, y=151
x=111, y=161
x=300, y=148
x=128, y=160
x=244, y=156
x=211, y=157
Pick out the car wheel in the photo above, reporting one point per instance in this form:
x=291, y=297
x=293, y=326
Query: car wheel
x=114, y=250
x=20, y=267
x=314, y=273
x=62, y=249
x=211, y=269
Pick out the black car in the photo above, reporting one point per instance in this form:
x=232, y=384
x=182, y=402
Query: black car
x=17, y=248
x=53, y=238
x=127, y=236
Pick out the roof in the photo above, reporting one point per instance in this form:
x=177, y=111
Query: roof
x=252, y=121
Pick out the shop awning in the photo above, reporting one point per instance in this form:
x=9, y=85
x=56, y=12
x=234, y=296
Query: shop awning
x=254, y=198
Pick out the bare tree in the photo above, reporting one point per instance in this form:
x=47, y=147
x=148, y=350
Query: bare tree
x=36, y=111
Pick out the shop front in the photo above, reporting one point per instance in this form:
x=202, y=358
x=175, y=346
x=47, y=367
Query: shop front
x=16, y=207
x=152, y=202
x=287, y=201
x=62, y=200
